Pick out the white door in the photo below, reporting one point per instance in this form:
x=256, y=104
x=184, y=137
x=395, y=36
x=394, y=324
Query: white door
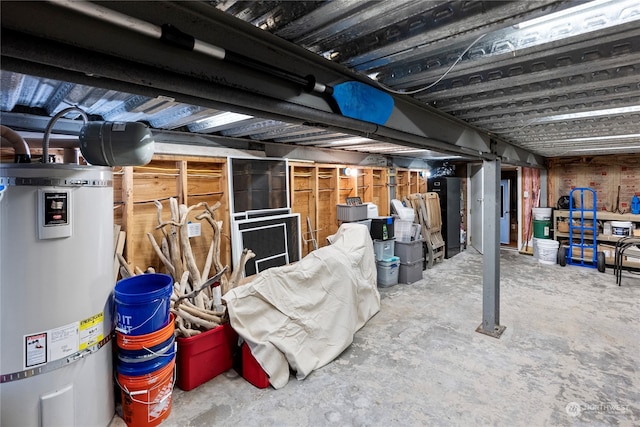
x=476, y=187
x=505, y=218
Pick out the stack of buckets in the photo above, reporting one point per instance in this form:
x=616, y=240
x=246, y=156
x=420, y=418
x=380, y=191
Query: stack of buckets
x=146, y=348
x=544, y=248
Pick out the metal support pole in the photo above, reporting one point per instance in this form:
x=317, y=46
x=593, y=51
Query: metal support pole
x=491, y=254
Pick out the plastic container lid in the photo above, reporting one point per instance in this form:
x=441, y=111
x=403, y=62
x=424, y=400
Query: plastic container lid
x=621, y=224
x=541, y=213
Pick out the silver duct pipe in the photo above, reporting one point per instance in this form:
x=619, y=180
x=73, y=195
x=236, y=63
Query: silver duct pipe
x=20, y=147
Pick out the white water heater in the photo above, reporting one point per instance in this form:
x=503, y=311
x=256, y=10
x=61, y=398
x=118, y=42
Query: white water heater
x=56, y=278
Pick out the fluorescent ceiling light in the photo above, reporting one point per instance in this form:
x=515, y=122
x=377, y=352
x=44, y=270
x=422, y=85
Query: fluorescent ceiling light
x=588, y=114
x=348, y=141
x=223, y=119
x=598, y=138
x=412, y=150
x=625, y=147
x=444, y=157
x=560, y=14
x=574, y=21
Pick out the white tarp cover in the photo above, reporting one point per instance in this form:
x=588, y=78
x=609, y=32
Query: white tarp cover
x=304, y=315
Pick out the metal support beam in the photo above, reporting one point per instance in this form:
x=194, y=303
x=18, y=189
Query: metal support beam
x=518, y=156
x=321, y=155
x=52, y=41
x=409, y=163
x=491, y=255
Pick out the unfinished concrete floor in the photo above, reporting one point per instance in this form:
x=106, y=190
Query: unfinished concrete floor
x=572, y=342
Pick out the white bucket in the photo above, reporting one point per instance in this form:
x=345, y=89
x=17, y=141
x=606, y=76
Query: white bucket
x=547, y=251
x=621, y=228
x=542, y=214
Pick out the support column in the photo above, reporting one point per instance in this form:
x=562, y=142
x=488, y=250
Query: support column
x=491, y=254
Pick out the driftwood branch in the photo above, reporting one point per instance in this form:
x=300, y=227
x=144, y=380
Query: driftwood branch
x=174, y=246
x=247, y=254
x=183, y=329
x=195, y=320
x=124, y=273
x=184, y=283
x=214, y=250
x=124, y=265
x=185, y=246
x=159, y=210
x=203, y=314
x=197, y=305
x=165, y=261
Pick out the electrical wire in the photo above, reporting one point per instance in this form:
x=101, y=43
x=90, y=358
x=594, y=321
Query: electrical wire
x=528, y=123
x=429, y=86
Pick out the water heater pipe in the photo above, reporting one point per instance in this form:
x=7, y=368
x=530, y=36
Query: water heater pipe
x=47, y=132
x=20, y=147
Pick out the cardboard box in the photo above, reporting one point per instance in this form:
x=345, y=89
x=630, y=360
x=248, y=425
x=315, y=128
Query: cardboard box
x=609, y=252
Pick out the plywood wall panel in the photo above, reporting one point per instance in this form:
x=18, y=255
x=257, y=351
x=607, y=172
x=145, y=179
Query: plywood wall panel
x=604, y=174
x=145, y=215
x=303, y=200
x=193, y=180
x=315, y=191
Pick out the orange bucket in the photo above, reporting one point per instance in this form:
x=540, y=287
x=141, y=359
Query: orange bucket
x=143, y=342
x=146, y=399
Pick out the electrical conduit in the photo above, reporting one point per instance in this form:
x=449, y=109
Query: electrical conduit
x=20, y=147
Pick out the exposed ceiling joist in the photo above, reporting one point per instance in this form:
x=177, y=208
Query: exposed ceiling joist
x=49, y=40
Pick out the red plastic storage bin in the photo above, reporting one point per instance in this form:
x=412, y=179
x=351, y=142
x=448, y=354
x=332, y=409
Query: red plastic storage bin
x=204, y=356
x=251, y=369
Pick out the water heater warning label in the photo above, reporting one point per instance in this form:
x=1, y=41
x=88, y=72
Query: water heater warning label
x=55, y=209
x=91, y=331
x=55, y=213
x=64, y=341
x=35, y=349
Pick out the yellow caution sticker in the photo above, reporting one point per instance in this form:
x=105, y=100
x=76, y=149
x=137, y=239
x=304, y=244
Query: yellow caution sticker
x=91, y=331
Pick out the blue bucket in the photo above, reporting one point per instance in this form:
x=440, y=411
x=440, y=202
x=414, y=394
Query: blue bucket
x=145, y=354
x=142, y=303
x=144, y=368
x=134, y=363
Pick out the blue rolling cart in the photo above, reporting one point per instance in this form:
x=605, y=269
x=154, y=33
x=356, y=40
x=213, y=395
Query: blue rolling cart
x=583, y=246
